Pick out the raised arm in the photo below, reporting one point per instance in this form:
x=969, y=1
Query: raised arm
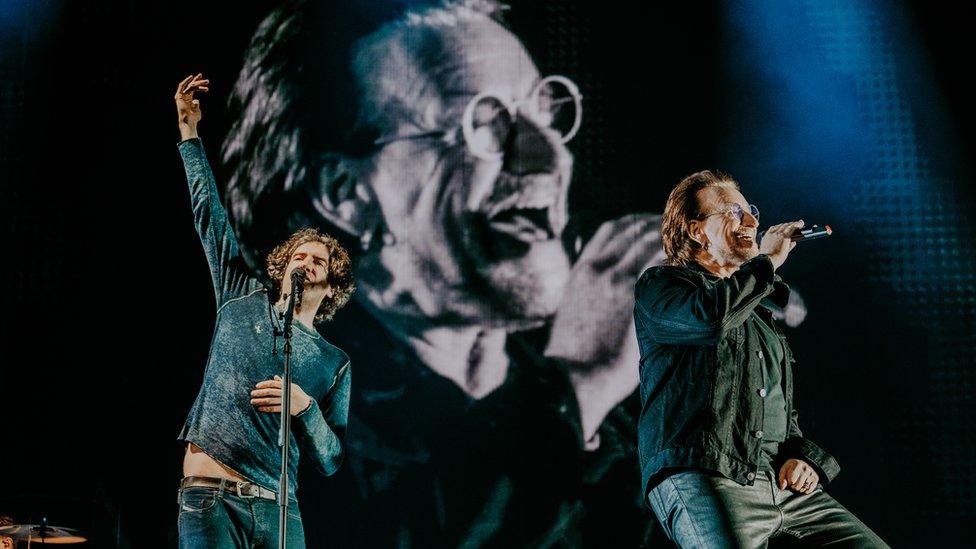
x=230, y=277
x=679, y=311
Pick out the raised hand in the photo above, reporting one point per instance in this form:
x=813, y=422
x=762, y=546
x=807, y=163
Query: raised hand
x=187, y=107
x=777, y=242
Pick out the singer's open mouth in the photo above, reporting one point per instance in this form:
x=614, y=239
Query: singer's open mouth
x=528, y=208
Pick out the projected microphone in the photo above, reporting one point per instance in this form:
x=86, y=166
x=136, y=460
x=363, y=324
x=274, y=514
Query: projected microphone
x=807, y=233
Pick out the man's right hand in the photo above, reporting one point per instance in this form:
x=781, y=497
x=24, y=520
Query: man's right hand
x=776, y=243
x=188, y=108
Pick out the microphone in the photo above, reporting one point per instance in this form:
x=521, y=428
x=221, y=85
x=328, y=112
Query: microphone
x=298, y=283
x=294, y=299
x=807, y=233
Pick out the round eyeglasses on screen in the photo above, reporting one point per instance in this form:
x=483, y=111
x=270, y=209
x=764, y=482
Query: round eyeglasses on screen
x=488, y=120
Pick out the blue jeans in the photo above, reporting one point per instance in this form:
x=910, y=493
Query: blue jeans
x=704, y=509
x=215, y=518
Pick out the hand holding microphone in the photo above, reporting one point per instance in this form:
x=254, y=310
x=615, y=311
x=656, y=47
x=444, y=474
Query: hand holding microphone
x=777, y=241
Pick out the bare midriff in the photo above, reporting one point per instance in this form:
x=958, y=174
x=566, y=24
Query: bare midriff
x=197, y=463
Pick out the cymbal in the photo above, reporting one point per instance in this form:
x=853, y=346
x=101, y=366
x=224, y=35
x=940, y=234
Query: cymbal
x=41, y=533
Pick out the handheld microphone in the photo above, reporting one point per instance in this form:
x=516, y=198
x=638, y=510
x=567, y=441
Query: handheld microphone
x=807, y=233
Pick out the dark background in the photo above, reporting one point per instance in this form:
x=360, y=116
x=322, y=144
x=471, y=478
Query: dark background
x=857, y=117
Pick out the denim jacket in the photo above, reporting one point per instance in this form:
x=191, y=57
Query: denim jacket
x=701, y=404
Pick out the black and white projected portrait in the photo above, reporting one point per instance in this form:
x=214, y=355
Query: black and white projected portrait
x=453, y=177
x=434, y=143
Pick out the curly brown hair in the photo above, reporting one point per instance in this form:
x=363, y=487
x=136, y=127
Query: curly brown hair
x=682, y=206
x=339, y=276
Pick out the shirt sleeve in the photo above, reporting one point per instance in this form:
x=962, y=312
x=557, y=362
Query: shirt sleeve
x=229, y=273
x=321, y=427
x=680, y=311
x=796, y=446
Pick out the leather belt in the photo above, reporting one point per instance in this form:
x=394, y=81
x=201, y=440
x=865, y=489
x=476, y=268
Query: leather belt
x=242, y=489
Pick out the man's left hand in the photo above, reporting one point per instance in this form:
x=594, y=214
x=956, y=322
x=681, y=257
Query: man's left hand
x=799, y=476
x=266, y=397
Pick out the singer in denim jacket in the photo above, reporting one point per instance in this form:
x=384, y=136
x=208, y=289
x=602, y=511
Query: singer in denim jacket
x=232, y=430
x=723, y=460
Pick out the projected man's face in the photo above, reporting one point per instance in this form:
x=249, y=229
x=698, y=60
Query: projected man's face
x=474, y=217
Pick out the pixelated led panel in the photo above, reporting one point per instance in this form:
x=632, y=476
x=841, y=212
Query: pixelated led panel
x=12, y=221
x=919, y=242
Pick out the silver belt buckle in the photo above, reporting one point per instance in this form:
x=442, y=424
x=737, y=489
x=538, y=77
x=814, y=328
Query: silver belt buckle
x=237, y=485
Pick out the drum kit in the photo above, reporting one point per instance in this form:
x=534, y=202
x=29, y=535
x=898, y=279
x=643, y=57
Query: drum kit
x=41, y=533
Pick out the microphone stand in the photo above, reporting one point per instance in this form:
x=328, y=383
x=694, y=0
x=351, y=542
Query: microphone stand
x=297, y=287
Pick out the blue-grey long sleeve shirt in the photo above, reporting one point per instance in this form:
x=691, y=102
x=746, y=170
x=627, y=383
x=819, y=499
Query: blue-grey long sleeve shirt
x=222, y=421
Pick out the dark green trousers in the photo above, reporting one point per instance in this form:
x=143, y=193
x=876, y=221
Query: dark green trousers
x=704, y=510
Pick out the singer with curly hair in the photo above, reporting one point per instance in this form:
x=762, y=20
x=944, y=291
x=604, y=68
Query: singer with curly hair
x=230, y=487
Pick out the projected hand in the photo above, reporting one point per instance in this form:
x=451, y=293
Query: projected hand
x=795, y=311
x=266, y=397
x=187, y=108
x=593, y=331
